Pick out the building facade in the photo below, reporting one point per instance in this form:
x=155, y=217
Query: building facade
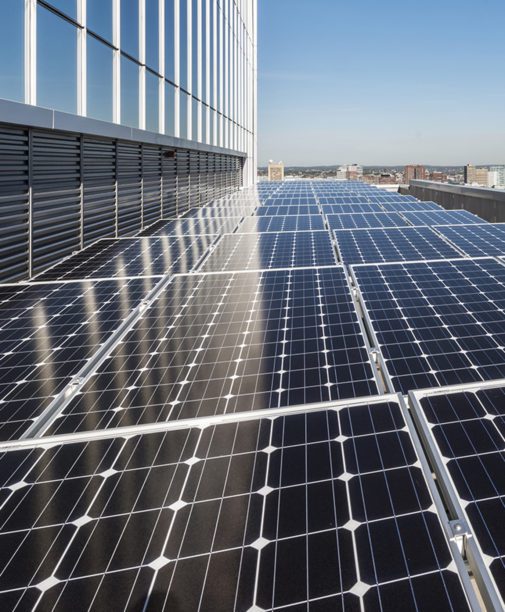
x=476, y=176
x=275, y=171
x=414, y=172
x=161, y=94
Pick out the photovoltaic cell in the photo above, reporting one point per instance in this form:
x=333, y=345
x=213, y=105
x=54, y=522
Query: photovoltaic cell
x=442, y=217
x=327, y=509
x=437, y=323
x=271, y=250
x=291, y=223
x=193, y=226
x=272, y=211
x=226, y=343
x=366, y=220
x=47, y=333
x=130, y=257
x=468, y=431
x=399, y=244
x=406, y=206
x=476, y=240
x=342, y=209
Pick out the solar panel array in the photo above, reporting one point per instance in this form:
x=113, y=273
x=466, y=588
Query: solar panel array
x=205, y=416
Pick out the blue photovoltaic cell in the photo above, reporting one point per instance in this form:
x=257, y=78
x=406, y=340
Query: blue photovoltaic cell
x=366, y=220
x=330, y=510
x=270, y=250
x=442, y=217
x=437, y=323
x=129, y=257
x=476, y=240
x=291, y=223
x=401, y=244
x=399, y=206
x=339, y=209
x=468, y=431
x=302, y=209
x=226, y=343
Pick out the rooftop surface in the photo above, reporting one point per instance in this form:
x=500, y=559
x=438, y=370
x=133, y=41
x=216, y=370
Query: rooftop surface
x=243, y=409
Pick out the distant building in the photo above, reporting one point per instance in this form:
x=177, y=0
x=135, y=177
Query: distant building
x=496, y=177
x=476, y=176
x=414, y=173
x=440, y=177
x=350, y=172
x=275, y=171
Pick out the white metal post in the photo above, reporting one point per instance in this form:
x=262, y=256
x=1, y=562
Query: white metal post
x=116, y=61
x=161, y=63
x=142, y=60
x=81, y=59
x=30, y=45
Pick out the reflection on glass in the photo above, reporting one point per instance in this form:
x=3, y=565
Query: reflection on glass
x=130, y=27
x=204, y=123
x=12, y=50
x=152, y=35
x=183, y=50
x=99, y=92
x=194, y=40
x=152, y=102
x=56, y=62
x=99, y=18
x=194, y=119
x=169, y=41
x=129, y=92
x=183, y=113
x=69, y=7
x=169, y=109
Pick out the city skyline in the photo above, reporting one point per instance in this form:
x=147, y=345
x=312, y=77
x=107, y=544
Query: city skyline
x=389, y=86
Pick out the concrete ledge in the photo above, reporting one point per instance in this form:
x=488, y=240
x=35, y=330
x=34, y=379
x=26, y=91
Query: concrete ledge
x=489, y=204
x=16, y=113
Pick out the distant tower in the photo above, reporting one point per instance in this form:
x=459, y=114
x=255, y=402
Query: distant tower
x=412, y=173
x=275, y=171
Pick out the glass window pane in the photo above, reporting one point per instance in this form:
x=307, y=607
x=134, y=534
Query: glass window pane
x=183, y=115
x=99, y=18
x=169, y=109
x=69, y=7
x=194, y=54
x=204, y=123
x=56, y=62
x=183, y=51
x=152, y=102
x=130, y=27
x=129, y=92
x=152, y=35
x=99, y=83
x=12, y=50
x=194, y=119
x=169, y=40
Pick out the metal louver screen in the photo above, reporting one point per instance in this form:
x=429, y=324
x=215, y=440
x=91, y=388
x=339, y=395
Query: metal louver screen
x=169, y=185
x=14, y=204
x=151, y=173
x=182, y=182
x=99, y=190
x=129, y=187
x=56, y=200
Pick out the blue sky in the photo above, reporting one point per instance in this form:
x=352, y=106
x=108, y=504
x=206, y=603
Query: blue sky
x=381, y=82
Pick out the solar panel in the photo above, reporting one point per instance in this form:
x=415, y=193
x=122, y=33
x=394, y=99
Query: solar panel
x=271, y=250
x=394, y=244
x=404, y=206
x=271, y=211
x=291, y=223
x=465, y=429
x=442, y=217
x=47, y=333
x=476, y=240
x=367, y=220
x=340, y=209
x=437, y=323
x=129, y=257
x=192, y=226
x=328, y=509
x=226, y=343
